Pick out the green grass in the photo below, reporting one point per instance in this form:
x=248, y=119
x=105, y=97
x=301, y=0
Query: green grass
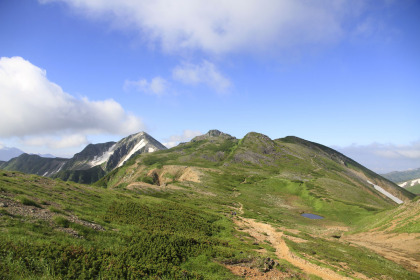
x=61, y=221
x=188, y=233
x=26, y=201
x=359, y=259
x=414, y=189
x=144, y=237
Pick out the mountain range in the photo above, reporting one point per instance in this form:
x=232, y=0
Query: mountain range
x=91, y=164
x=216, y=207
x=7, y=153
x=403, y=176
x=290, y=158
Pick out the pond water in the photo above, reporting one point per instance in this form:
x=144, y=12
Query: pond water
x=312, y=216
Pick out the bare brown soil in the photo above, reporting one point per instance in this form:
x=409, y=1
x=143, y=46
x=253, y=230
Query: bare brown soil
x=402, y=248
x=261, y=232
x=264, y=232
x=254, y=273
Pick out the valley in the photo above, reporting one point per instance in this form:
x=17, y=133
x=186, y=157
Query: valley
x=216, y=207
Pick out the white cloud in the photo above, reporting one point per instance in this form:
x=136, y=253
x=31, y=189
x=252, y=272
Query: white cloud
x=220, y=26
x=157, y=85
x=31, y=105
x=65, y=141
x=186, y=135
x=205, y=73
x=384, y=158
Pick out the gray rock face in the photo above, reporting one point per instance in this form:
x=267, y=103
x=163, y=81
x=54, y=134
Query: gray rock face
x=90, y=156
x=132, y=145
x=211, y=134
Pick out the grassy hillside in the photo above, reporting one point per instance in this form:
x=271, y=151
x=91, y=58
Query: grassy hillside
x=414, y=189
x=55, y=229
x=189, y=212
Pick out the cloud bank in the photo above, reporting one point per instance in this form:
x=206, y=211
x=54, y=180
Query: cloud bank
x=384, y=158
x=220, y=26
x=31, y=105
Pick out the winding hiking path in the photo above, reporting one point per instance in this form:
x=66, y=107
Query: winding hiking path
x=262, y=231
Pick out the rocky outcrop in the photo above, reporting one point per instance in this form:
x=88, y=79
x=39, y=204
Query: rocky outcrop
x=213, y=134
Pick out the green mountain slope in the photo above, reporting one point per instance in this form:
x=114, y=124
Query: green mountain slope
x=214, y=208
x=34, y=164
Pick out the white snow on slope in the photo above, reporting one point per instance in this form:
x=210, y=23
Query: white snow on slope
x=381, y=190
x=137, y=147
x=104, y=157
x=61, y=166
x=415, y=182
x=402, y=184
x=409, y=183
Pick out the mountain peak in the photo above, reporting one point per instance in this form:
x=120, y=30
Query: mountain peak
x=211, y=134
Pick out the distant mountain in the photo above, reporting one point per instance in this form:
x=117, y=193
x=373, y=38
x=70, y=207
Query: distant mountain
x=34, y=164
x=411, y=185
x=403, y=176
x=7, y=153
x=46, y=155
x=92, y=163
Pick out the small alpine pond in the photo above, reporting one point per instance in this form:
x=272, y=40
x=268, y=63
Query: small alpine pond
x=312, y=216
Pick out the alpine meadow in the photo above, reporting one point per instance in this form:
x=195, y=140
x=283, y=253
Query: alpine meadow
x=216, y=207
x=209, y=139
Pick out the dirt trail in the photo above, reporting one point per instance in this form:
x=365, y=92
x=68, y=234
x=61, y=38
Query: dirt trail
x=262, y=231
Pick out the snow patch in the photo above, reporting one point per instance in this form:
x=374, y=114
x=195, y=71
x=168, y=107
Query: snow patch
x=61, y=167
x=98, y=160
x=403, y=184
x=137, y=147
x=45, y=174
x=414, y=182
x=381, y=190
x=151, y=150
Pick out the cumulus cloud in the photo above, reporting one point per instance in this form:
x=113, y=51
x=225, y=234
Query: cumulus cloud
x=186, y=135
x=204, y=73
x=64, y=141
x=31, y=105
x=156, y=86
x=384, y=158
x=221, y=26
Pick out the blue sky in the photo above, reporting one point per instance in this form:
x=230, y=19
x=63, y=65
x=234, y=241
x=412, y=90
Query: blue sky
x=345, y=74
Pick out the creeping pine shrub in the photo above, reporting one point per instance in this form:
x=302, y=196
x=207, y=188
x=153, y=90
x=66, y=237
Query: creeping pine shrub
x=61, y=221
x=145, y=179
x=29, y=202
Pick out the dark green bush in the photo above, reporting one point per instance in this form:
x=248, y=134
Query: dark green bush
x=29, y=202
x=61, y=221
